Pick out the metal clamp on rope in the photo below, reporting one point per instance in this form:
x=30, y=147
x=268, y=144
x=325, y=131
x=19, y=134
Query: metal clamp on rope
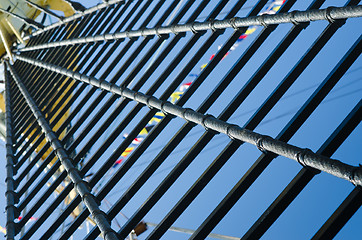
x=97, y=212
x=204, y=126
x=148, y=102
x=173, y=30
x=300, y=159
x=353, y=175
x=229, y=134
x=183, y=114
x=193, y=30
x=327, y=15
x=211, y=25
x=233, y=24
x=15, y=209
x=163, y=110
x=261, y=20
x=259, y=143
x=292, y=18
x=109, y=231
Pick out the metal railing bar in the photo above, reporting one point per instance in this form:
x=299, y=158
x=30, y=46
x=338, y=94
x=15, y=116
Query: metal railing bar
x=55, y=164
x=83, y=86
x=208, y=174
x=30, y=129
x=341, y=216
x=43, y=166
x=55, y=108
x=74, y=32
x=24, y=116
x=88, y=111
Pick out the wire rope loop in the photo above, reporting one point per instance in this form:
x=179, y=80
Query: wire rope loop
x=148, y=102
x=128, y=34
x=300, y=159
x=109, y=231
x=183, y=114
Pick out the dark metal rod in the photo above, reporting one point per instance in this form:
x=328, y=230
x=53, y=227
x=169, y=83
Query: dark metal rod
x=341, y=216
x=111, y=161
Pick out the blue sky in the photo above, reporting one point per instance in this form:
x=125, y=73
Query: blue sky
x=322, y=195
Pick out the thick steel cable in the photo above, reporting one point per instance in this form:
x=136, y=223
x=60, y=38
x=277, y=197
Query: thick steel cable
x=80, y=185
x=75, y=16
x=11, y=196
x=304, y=156
x=330, y=14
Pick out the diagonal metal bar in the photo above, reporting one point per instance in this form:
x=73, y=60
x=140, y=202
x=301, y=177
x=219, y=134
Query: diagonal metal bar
x=341, y=216
x=330, y=14
x=304, y=156
x=81, y=186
